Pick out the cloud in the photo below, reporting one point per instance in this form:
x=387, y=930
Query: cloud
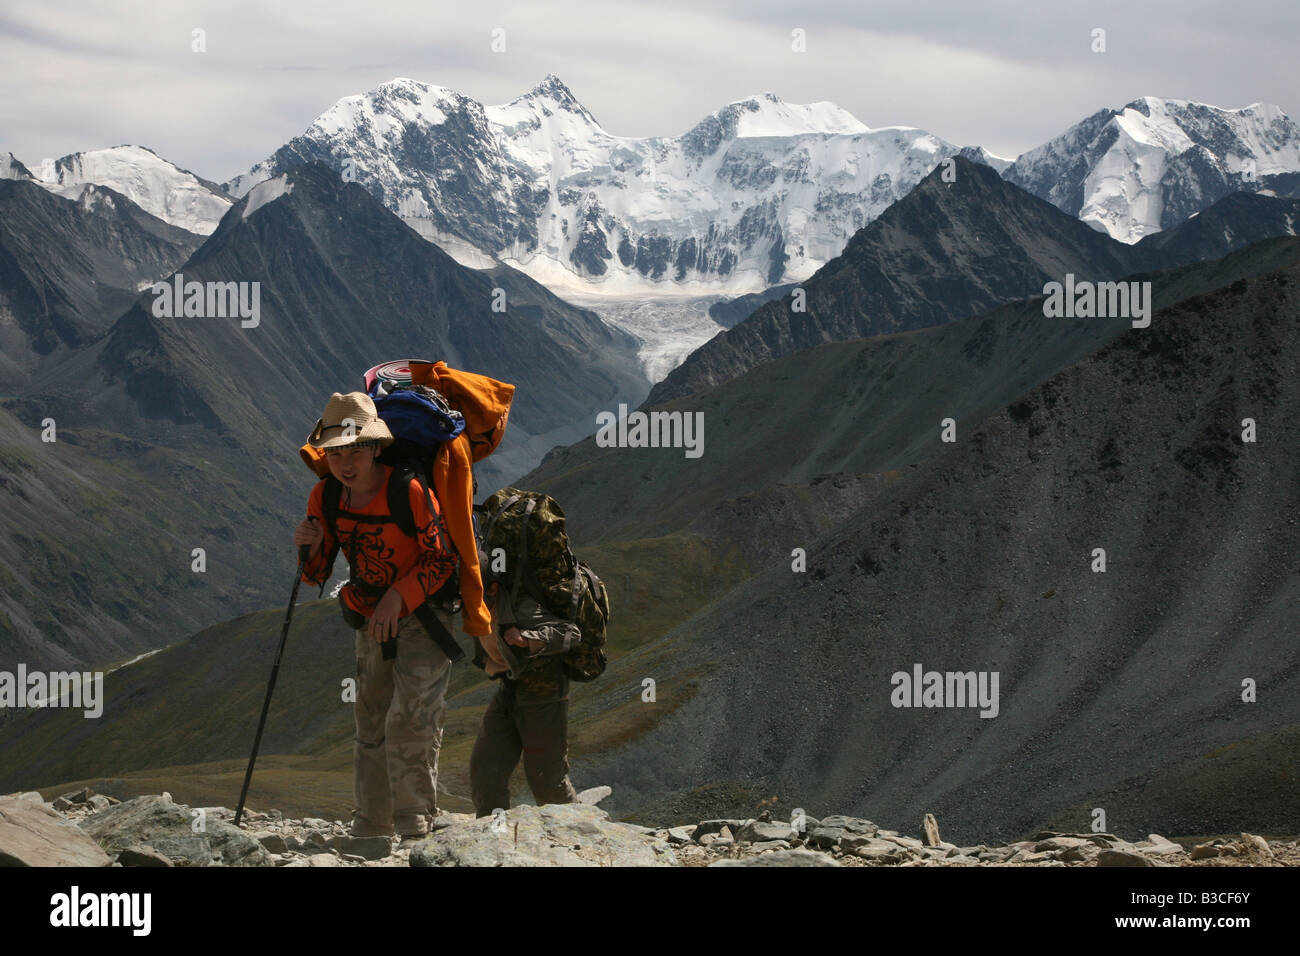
x=999, y=74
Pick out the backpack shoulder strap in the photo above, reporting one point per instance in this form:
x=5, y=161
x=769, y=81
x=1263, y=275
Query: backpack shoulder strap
x=399, y=497
x=399, y=501
x=330, y=496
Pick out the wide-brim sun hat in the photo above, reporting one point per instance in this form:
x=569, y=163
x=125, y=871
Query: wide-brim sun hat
x=348, y=420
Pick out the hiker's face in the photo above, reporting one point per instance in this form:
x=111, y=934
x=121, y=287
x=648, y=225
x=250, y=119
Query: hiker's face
x=351, y=465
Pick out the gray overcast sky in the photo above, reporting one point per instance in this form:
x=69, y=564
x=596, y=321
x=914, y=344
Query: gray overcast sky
x=1006, y=76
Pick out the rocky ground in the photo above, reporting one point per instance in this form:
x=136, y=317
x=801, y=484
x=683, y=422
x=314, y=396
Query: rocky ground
x=87, y=829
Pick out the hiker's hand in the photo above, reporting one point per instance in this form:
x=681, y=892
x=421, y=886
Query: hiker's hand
x=495, y=663
x=515, y=638
x=310, y=533
x=383, y=623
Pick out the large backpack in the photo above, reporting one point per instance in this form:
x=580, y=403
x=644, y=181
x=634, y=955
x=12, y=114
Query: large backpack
x=527, y=528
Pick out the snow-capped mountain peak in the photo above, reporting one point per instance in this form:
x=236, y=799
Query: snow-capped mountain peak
x=760, y=191
x=158, y=187
x=766, y=114
x=552, y=94
x=1154, y=162
x=11, y=168
x=388, y=106
x=549, y=104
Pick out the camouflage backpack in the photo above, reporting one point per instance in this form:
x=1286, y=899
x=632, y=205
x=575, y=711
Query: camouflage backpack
x=528, y=528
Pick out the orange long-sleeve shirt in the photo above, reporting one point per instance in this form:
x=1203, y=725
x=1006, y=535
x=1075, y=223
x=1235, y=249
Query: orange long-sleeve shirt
x=385, y=557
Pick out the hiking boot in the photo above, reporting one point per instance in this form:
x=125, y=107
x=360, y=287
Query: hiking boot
x=361, y=827
x=416, y=827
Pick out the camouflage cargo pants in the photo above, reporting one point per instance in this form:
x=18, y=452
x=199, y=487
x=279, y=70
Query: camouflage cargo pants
x=538, y=731
x=399, y=712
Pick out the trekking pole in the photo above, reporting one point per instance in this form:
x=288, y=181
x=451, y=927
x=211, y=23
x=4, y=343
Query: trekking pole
x=303, y=553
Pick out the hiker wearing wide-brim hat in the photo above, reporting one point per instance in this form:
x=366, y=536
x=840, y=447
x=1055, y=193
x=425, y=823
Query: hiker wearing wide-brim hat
x=399, y=704
x=348, y=420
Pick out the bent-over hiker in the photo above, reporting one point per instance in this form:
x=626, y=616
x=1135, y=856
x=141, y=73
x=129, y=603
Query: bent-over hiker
x=529, y=714
x=400, y=704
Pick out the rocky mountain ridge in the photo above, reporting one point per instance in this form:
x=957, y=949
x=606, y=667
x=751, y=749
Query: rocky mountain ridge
x=85, y=829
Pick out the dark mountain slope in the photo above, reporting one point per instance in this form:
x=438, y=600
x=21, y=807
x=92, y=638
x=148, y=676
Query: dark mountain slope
x=1233, y=222
x=68, y=268
x=1118, y=690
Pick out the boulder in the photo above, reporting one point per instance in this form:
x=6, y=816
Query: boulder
x=908, y=843
x=879, y=851
x=1258, y=844
x=274, y=842
x=593, y=795
x=850, y=824
x=155, y=821
x=142, y=856
x=31, y=834
x=571, y=834
x=758, y=831
x=831, y=830
x=1162, y=850
x=827, y=837
x=681, y=834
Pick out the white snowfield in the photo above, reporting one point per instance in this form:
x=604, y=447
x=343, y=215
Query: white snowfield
x=155, y=185
x=265, y=192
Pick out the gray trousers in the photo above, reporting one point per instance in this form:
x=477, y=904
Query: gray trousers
x=399, y=713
